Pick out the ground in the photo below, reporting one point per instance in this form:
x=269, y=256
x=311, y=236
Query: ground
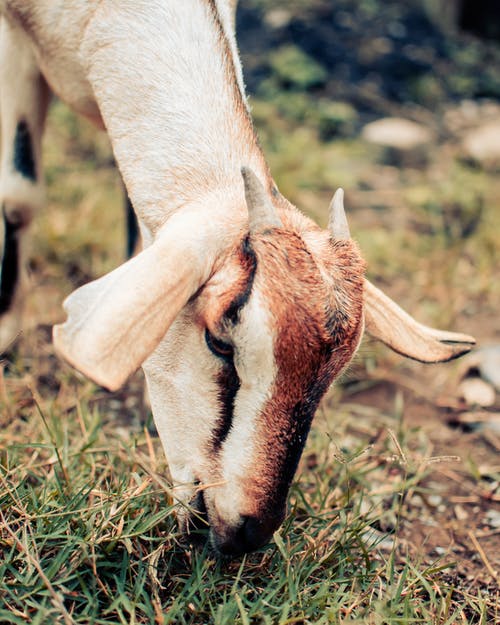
x=395, y=510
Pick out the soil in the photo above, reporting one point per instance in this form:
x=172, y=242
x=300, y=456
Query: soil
x=458, y=522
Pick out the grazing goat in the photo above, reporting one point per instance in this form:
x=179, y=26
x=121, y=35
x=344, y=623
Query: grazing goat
x=240, y=309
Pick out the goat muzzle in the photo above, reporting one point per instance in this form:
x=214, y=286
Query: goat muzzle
x=249, y=534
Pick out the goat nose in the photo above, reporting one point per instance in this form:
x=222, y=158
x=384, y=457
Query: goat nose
x=251, y=534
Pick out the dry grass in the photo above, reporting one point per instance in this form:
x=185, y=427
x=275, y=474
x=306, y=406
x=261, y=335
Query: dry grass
x=87, y=530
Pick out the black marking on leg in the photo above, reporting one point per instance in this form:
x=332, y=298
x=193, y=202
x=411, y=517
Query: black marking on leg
x=132, y=227
x=9, y=275
x=24, y=158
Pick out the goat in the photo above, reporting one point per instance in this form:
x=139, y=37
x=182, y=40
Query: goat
x=240, y=310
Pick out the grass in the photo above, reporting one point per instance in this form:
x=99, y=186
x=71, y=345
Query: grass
x=87, y=523
x=88, y=535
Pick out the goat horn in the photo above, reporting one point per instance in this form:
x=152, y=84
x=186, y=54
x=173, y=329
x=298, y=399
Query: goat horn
x=338, y=221
x=261, y=211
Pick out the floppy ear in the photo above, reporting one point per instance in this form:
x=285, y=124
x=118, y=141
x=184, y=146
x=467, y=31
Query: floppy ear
x=389, y=323
x=115, y=322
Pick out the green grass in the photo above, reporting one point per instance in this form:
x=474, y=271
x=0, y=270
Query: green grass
x=87, y=523
x=88, y=534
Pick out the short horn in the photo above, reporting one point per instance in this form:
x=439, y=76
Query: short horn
x=261, y=211
x=338, y=221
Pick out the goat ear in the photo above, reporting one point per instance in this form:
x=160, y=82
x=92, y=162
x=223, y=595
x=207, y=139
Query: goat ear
x=389, y=323
x=115, y=322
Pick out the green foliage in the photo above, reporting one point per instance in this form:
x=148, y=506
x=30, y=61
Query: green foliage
x=336, y=118
x=295, y=69
x=427, y=90
x=329, y=118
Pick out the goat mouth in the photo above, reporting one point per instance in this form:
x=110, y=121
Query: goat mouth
x=250, y=535
x=198, y=525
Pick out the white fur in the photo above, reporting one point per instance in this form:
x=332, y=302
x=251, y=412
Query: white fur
x=254, y=362
x=20, y=197
x=167, y=85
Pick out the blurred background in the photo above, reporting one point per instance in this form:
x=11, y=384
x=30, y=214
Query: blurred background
x=398, y=102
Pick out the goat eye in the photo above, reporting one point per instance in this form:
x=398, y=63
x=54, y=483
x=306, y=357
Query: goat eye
x=219, y=348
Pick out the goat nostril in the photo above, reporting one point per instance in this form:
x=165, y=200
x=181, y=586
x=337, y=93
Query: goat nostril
x=255, y=532
x=251, y=534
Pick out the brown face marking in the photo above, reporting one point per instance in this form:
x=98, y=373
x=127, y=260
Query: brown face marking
x=23, y=156
x=228, y=380
x=248, y=262
x=318, y=324
x=229, y=384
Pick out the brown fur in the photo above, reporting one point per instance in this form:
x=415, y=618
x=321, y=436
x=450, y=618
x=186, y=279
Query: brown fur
x=225, y=289
x=327, y=316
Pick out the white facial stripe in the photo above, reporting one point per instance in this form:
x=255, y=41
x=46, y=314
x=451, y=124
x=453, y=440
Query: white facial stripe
x=256, y=369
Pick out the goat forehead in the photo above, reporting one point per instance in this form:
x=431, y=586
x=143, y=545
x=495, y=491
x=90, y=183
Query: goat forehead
x=318, y=297
x=292, y=286
x=276, y=269
x=288, y=307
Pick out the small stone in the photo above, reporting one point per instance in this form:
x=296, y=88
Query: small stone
x=434, y=500
x=479, y=420
x=440, y=551
x=489, y=364
x=493, y=518
x=365, y=507
x=278, y=18
x=405, y=143
x=461, y=513
x=396, y=132
x=131, y=402
x=482, y=144
x=397, y=29
x=470, y=110
x=477, y=392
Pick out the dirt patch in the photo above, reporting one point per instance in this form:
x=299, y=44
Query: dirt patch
x=453, y=517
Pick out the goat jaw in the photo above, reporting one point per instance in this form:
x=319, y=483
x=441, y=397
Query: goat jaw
x=389, y=323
